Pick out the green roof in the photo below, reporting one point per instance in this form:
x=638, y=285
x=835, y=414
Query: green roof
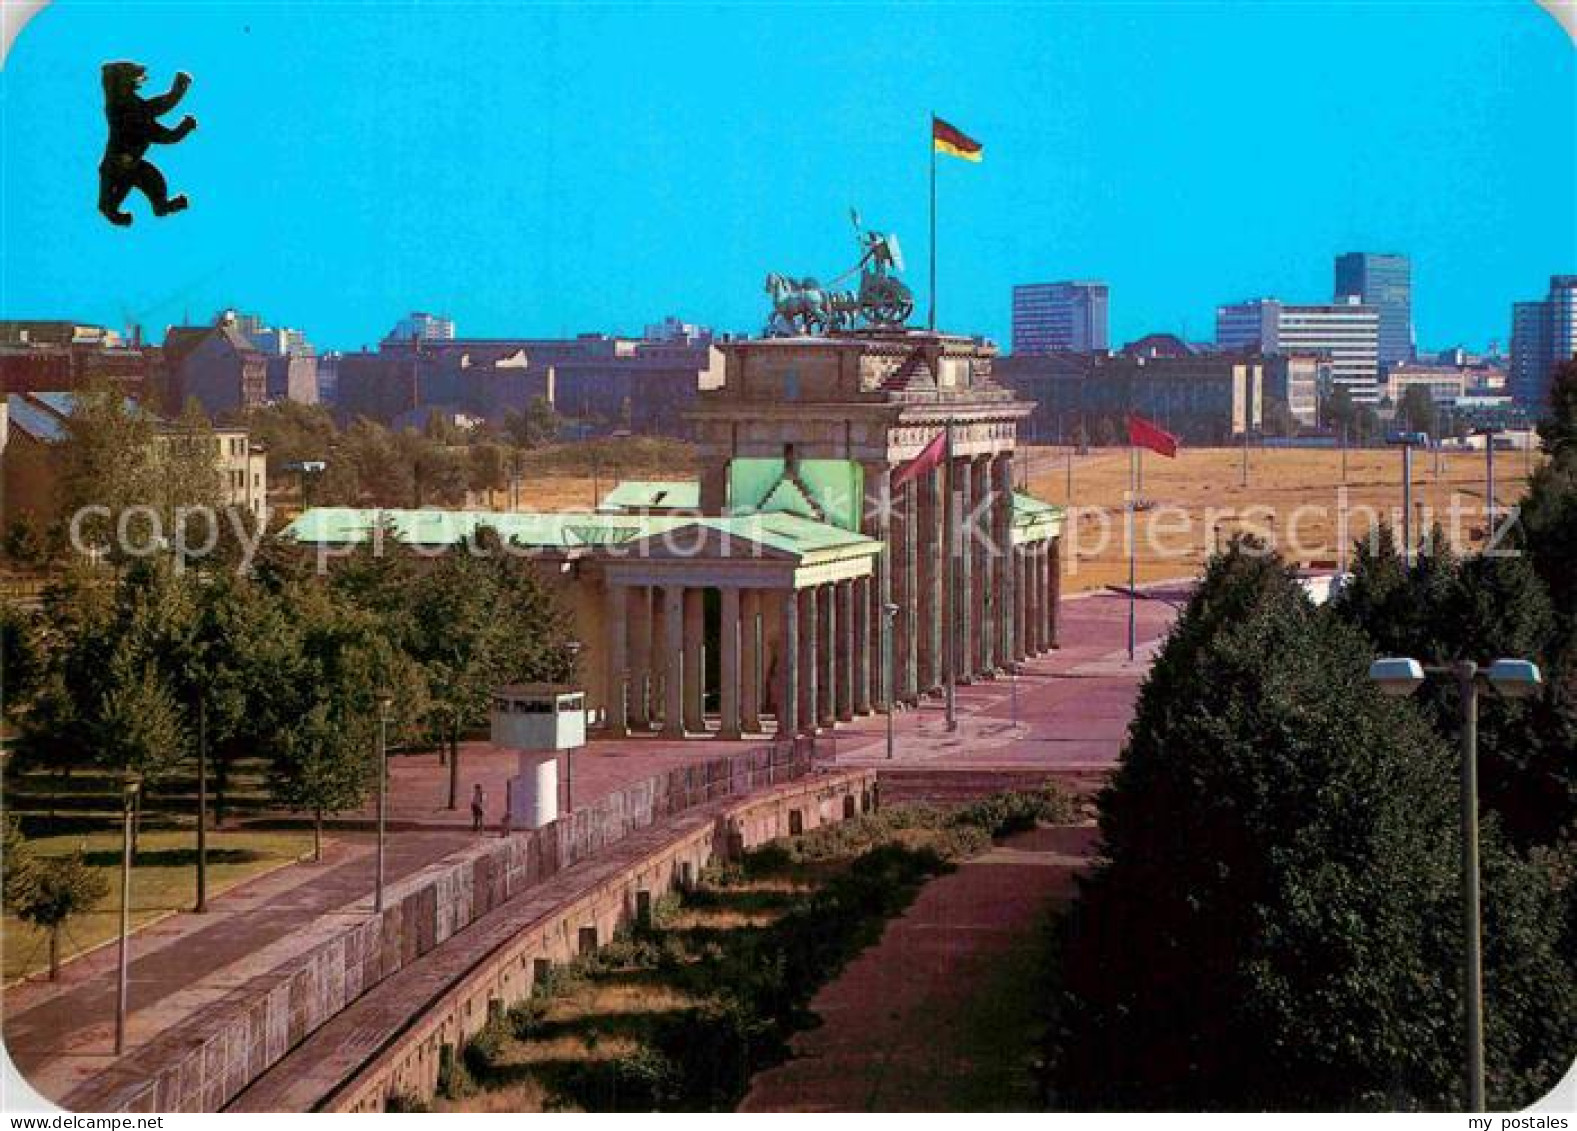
x=794, y=534
x=1034, y=520
x=788, y=533
x=653, y=494
x=574, y=530
x=828, y=489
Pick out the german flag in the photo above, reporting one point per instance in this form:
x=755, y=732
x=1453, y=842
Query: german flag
x=953, y=141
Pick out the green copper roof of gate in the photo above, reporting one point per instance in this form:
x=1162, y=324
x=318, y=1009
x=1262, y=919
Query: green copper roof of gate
x=827, y=490
x=655, y=494
x=1033, y=520
x=788, y=533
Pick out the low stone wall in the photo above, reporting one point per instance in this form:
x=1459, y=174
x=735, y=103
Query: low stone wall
x=202, y=1066
x=408, y=1064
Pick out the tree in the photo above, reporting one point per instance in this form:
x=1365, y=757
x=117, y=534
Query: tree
x=1279, y=420
x=1338, y=410
x=22, y=658
x=186, y=473
x=477, y=621
x=105, y=695
x=1273, y=922
x=1480, y=608
x=48, y=892
x=1418, y=411
x=538, y=425
x=107, y=460
x=332, y=663
x=1558, y=425
x=293, y=432
x=489, y=469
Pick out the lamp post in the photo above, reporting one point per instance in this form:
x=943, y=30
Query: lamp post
x=1406, y=441
x=1514, y=679
x=1489, y=434
x=889, y=614
x=202, y=805
x=385, y=701
x=571, y=649
x=129, y=790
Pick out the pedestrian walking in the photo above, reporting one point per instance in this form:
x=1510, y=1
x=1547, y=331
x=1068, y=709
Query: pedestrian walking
x=478, y=807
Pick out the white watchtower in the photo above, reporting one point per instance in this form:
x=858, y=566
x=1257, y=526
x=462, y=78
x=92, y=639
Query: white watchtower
x=537, y=720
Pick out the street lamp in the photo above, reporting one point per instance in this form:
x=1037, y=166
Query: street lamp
x=890, y=612
x=1489, y=434
x=385, y=702
x=1514, y=679
x=130, y=787
x=572, y=650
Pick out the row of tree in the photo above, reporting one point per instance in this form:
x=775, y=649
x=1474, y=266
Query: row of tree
x=368, y=464
x=1275, y=919
x=283, y=665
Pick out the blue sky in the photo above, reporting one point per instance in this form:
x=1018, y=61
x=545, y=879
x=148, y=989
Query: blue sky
x=555, y=168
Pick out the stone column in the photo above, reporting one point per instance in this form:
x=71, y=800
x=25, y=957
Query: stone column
x=1054, y=594
x=809, y=674
x=1038, y=589
x=617, y=709
x=1042, y=592
x=827, y=651
x=788, y=665
x=751, y=630
x=845, y=650
x=963, y=563
x=930, y=675
x=673, y=651
x=729, y=675
x=641, y=689
x=909, y=602
x=694, y=675
x=862, y=645
x=884, y=570
x=1027, y=601
x=980, y=469
x=1007, y=583
x=1020, y=606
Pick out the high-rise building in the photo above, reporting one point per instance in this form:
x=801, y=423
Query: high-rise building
x=1052, y=317
x=1385, y=282
x=1543, y=335
x=424, y=327
x=1345, y=333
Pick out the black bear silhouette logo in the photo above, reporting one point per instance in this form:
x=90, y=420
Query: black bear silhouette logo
x=133, y=126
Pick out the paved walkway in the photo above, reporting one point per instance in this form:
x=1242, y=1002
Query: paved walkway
x=63, y=1032
x=940, y=1015
x=1072, y=710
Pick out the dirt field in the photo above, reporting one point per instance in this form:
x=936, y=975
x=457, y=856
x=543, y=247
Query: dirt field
x=1187, y=504
x=1293, y=497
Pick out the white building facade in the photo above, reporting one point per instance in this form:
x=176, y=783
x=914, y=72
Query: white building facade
x=1346, y=333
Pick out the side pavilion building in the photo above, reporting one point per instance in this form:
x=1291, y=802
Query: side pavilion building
x=808, y=560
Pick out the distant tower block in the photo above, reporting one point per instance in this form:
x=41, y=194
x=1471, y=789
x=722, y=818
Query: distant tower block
x=537, y=720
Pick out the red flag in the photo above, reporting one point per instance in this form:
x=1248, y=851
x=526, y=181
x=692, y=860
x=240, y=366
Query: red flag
x=931, y=456
x=1149, y=435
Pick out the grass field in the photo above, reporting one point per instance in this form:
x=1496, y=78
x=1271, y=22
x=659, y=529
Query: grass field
x=163, y=880
x=1292, y=496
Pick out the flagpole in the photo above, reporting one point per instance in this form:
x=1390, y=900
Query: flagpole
x=950, y=575
x=931, y=316
x=1133, y=458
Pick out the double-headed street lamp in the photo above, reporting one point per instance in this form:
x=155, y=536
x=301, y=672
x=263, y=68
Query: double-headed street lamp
x=1514, y=679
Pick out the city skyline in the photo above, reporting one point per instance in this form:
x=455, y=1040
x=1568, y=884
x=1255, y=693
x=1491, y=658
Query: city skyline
x=602, y=211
